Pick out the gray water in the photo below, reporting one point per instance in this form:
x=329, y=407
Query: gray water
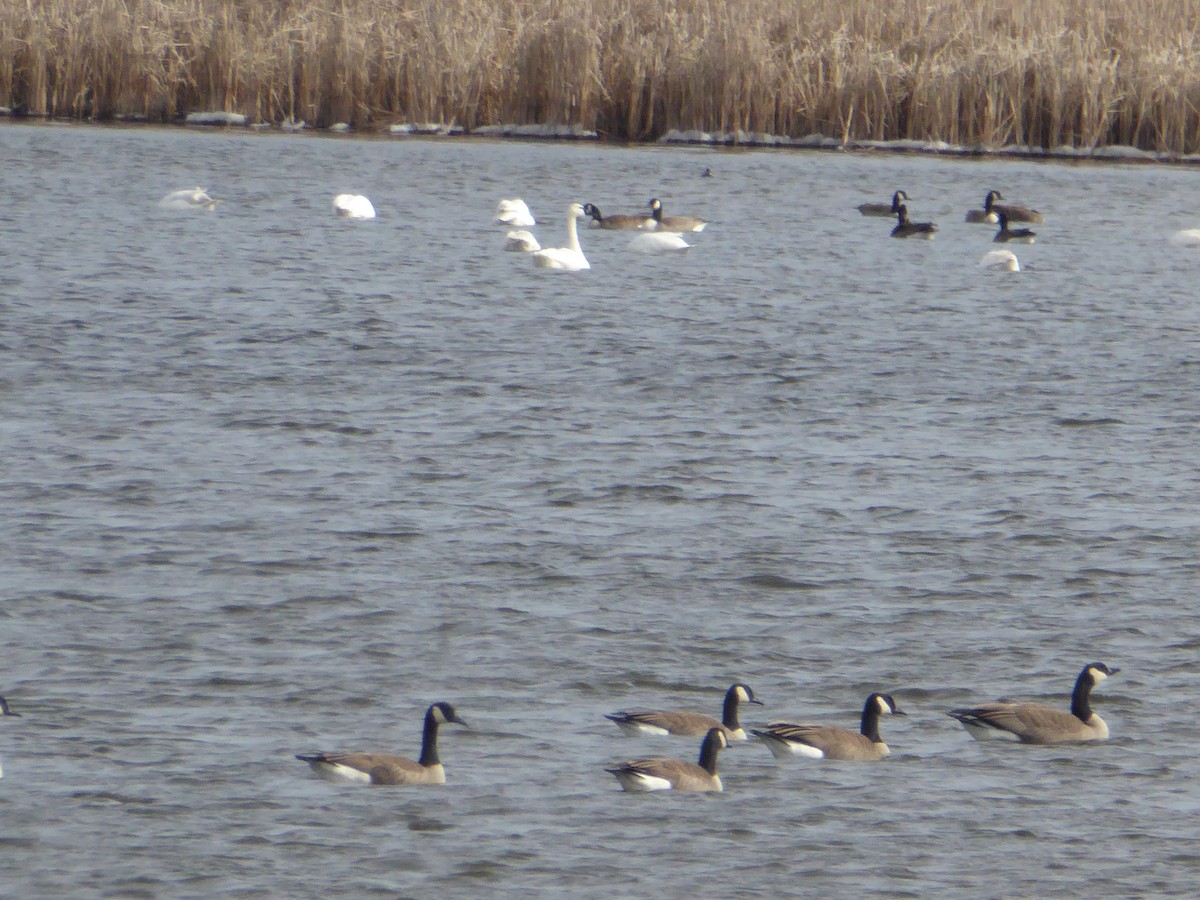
x=273, y=482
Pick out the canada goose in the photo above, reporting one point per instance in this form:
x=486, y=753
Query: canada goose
x=985, y=215
x=883, y=210
x=1008, y=235
x=674, y=774
x=514, y=213
x=353, y=206
x=1036, y=723
x=1000, y=261
x=387, y=768
x=674, y=223
x=570, y=257
x=659, y=242
x=196, y=198
x=617, y=223
x=991, y=211
x=784, y=739
x=521, y=241
x=5, y=711
x=907, y=229
x=691, y=724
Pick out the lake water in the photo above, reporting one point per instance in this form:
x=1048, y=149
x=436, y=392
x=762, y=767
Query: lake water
x=274, y=481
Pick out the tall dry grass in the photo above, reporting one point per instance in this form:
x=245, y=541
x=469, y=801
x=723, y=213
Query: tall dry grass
x=1042, y=73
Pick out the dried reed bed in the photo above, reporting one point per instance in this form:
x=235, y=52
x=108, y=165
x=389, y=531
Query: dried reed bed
x=1042, y=73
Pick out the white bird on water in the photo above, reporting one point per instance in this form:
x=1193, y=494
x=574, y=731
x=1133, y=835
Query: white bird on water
x=514, y=213
x=1186, y=237
x=353, y=206
x=1000, y=261
x=569, y=258
x=659, y=242
x=195, y=198
x=521, y=241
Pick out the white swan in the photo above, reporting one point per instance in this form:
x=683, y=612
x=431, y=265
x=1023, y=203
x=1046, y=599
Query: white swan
x=1186, y=237
x=1000, y=261
x=570, y=257
x=514, y=213
x=353, y=206
x=521, y=241
x=659, y=242
x=196, y=198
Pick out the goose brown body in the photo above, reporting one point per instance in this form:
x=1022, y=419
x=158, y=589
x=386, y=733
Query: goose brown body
x=990, y=214
x=905, y=228
x=883, y=210
x=1037, y=723
x=675, y=774
x=389, y=768
x=690, y=724
x=674, y=223
x=786, y=739
x=617, y=222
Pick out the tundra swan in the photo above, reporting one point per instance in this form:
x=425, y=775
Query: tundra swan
x=570, y=257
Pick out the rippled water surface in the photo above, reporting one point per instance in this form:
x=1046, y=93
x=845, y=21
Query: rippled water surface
x=273, y=482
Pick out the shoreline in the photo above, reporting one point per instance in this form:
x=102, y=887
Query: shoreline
x=231, y=122
x=961, y=76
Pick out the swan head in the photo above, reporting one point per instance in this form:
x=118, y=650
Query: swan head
x=575, y=211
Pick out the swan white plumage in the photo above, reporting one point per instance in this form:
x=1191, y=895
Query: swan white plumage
x=521, y=241
x=1000, y=261
x=659, y=242
x=353, y=206
x=1186, y=237
x=195, y=198
x=514, y=213
x=570, y=257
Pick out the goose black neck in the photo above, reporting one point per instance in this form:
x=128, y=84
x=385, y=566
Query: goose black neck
x=870, y=721
x=658, y=214
x=729, y=716
x=709, y=750
x=1081, y=708
x=429, y=748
